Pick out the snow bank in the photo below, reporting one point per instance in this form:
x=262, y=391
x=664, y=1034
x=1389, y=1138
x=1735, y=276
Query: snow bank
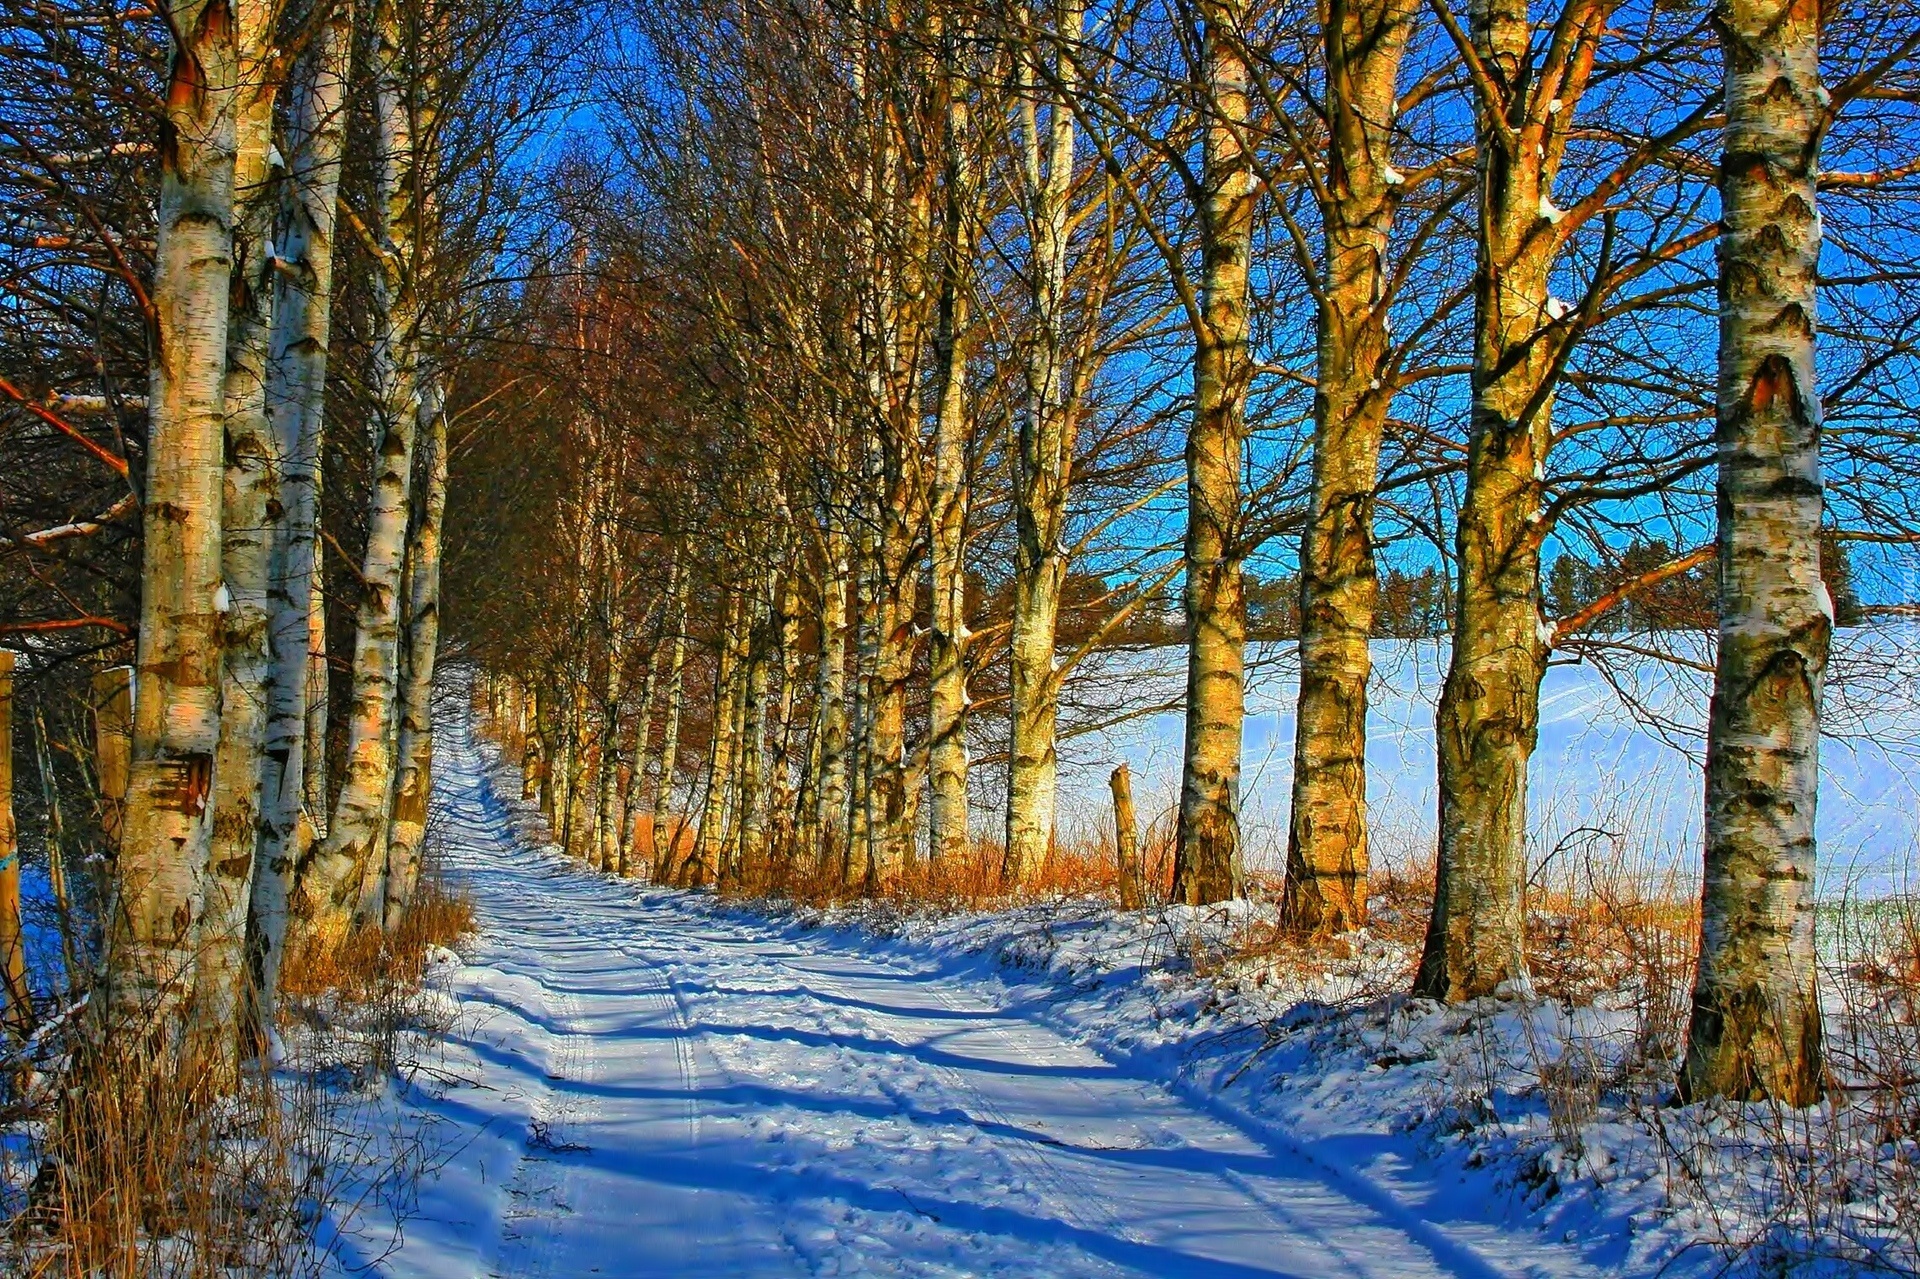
x=1556, y=1120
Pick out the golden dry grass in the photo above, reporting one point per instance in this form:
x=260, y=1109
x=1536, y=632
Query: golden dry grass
x=149, y=1173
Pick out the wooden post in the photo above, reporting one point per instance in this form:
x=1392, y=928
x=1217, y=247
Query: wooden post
x=13, y=952
x=113, y=746
x=1126, y=839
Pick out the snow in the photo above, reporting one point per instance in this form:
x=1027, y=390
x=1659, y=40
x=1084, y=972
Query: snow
x=651, y=1083
x=1628, y=768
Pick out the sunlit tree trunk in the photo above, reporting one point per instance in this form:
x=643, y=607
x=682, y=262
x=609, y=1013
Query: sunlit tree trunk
x=1326, y=887
x=1489, y=713
x=169, y=817
x=315, y=786
x=330, y=884
x=890, y=807
x=865, y=627
x=720, y=766
x=1755, y=1029
x=252, y=513
x=830, y=711
x=752, y=839
x=666, y=826
x=1207, y=861
x=414, y=751
x=290, y=813
x=1043, y=462
x=606, y=821
x=17, y=1014
x=782, y=800
x=948, y=818
x=645, y=758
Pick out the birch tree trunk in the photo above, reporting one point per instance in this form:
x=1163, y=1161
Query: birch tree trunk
x=891, y=810
x=666, y=830
x=252, y=513
x=1207, y=860
x=414, y=750
x=169, y=816
x=1326, y=888
x=752, y=850
x=782, y=800
x=606, y=822
x=316, y=789
x=866, y=645
x=293, y=754
x=18, y=1013
x=331, y=881
x=1043, y=463
x=713, y=815
x=1489, y=712
x=948, y=834
x=830, y=712
x=644, y=757
x=113, y=747
x=1755, y=1029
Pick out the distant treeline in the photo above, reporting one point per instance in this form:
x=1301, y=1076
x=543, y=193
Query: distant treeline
x=1416, y=604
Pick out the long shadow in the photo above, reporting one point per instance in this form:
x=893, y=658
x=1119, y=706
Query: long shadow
x=1010, y=1013
x=710, y=1169
x=919, y=1052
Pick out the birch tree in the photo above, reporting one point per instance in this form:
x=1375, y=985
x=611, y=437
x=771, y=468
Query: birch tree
x=1327, y=858
x=290, y=811
x=250, y=515
x=169, y=817
x=331, y=881
x=1208, y=861
x=1043, y=454
x=1755, y=1027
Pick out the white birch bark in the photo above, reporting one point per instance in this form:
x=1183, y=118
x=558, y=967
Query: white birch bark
x=666, y=827
x=643, y=755
x=1207, y=861
x=249, y=527
x=414, y=749
x=331, y=882
x=294, y=753
x=830, y=711
x=1755, y=1028
x=1043, y=465
x=606, y=820
x=711, y=840
x=169, y=816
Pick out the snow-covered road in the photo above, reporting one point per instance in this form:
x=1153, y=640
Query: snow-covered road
x=646, y=1087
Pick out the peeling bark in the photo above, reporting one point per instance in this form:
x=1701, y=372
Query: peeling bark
x=251, y=515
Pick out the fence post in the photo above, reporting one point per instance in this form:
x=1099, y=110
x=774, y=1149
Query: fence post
x=1126, y=839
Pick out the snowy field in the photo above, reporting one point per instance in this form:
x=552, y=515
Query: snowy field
x=1618, y=760
x=644, y=1083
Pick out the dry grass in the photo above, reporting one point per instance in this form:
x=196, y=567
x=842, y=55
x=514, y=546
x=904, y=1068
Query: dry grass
x=369, y=963
x=160, y=1174
x=1086, y=867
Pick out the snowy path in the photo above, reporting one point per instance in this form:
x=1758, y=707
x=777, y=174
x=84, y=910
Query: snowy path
x=649, y=1090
